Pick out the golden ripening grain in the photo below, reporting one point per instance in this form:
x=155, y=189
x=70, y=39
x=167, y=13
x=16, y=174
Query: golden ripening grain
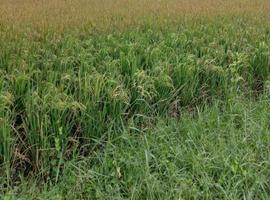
x=62, y=13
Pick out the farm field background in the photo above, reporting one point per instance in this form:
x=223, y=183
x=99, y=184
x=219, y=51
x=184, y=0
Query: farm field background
x=134, y=99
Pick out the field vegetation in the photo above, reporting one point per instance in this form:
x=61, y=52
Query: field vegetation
x=134, y=99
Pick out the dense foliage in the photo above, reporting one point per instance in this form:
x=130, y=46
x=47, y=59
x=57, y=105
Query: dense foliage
x=178, y=110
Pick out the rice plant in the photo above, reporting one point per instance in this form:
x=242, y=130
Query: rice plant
x=124, y=95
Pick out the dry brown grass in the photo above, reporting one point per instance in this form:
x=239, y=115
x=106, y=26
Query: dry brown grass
x=100, y=13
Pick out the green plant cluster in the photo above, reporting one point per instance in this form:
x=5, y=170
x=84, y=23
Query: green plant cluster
x=60, y=93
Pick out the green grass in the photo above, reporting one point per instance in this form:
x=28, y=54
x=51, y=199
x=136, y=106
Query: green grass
x=151, y=112
x=212, y=154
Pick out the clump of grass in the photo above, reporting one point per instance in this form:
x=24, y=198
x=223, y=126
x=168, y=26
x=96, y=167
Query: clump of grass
x=6, y=140
x=215, y=154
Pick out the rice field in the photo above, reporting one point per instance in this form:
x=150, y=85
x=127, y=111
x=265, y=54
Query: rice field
x=134, y=99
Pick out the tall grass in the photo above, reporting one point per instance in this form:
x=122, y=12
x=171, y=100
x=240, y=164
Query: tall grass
x=59, y=89
x=216, y=154
x=65, y=93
